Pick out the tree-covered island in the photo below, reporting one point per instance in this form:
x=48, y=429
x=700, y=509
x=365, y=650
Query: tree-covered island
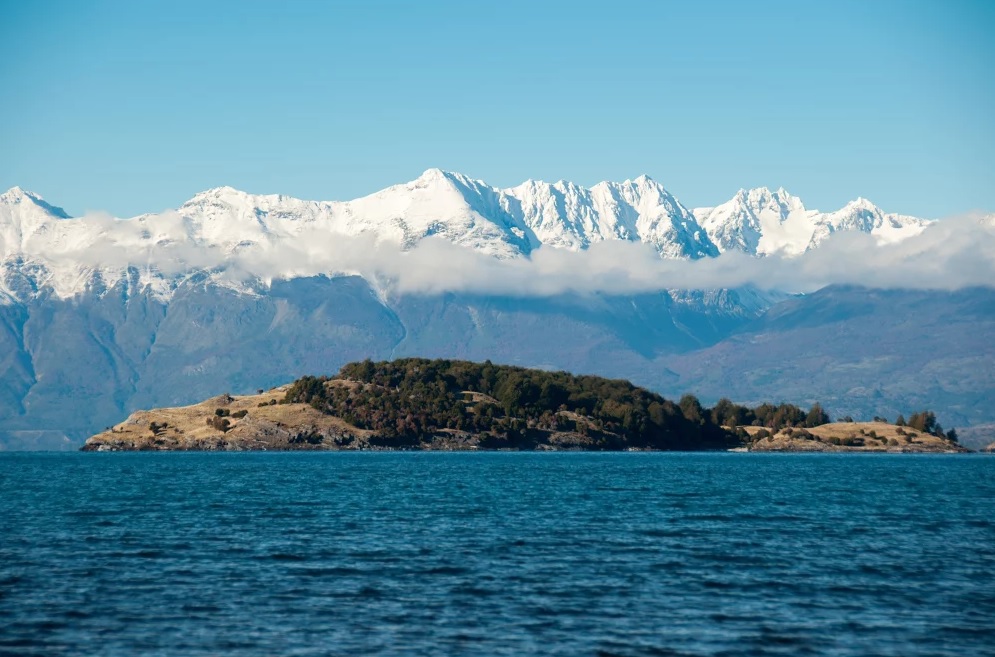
x=417, y=403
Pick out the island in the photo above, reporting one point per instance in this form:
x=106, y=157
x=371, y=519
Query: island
x=453, y=405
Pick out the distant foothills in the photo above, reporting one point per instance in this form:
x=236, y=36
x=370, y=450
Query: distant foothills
x=454, y=405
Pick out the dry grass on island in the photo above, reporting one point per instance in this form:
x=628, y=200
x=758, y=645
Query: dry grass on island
x=850, y=437
x=230, y=423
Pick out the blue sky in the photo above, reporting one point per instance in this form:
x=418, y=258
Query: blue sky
x=134, y=107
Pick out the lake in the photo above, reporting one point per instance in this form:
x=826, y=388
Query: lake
x=496, y=554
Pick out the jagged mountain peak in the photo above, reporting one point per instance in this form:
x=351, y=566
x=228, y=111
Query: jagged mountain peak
x=761, y=222
x=18, y=196
x=761, y=197
x=227, y=195
x=435, y=177
x=15, y=192
x=861, y=203
x=567, y=215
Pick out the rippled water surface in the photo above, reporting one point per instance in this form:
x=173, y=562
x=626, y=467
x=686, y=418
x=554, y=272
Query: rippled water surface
x=491, y=554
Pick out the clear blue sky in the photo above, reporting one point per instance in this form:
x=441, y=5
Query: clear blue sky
x=135, y=106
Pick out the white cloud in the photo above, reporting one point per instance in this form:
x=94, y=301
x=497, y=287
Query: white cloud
x=949, y=254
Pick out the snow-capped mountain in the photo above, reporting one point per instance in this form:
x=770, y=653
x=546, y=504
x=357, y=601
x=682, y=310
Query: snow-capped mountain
x=216, y=226
x=42, y=248
x=565, y=215
x=22, y=215
x=764, y=222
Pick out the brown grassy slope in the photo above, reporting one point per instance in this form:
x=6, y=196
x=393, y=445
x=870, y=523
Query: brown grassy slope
x=266, y=426
x=852, y=437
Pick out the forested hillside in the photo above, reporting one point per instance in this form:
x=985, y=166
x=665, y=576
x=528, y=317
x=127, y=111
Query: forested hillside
x=407, y=399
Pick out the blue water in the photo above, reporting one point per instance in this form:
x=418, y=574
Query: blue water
x=496, y=554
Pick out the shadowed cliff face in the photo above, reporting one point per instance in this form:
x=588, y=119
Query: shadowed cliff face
x=68, y=368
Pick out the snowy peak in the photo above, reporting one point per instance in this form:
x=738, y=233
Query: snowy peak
x=761, y=222
x=444, y=204
x=15, y=196
x=566, y=215
x=760, y=199
x=24, y=215
x=861, y=215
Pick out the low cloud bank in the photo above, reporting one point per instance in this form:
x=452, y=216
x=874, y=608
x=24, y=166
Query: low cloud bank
x=950, y=254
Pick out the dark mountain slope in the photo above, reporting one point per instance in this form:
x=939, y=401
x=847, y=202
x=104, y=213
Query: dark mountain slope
x=861, y=352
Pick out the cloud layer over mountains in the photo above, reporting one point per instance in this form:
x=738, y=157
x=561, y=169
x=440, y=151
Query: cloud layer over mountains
x=447, y=233
x=951, y=254
x=948, y=255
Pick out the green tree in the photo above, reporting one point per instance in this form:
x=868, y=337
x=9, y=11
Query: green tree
x=924, y=421
x=816, y=416
x=691, y=409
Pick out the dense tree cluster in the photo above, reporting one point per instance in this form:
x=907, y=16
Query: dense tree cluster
x=771, y=416
x=409, y=398
x=925, y=421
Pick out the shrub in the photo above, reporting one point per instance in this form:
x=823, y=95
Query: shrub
x=240, y=414
x=220, y=423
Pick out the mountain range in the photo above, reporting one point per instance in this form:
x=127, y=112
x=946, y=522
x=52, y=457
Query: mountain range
x=100, y=316
x=42, y=247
